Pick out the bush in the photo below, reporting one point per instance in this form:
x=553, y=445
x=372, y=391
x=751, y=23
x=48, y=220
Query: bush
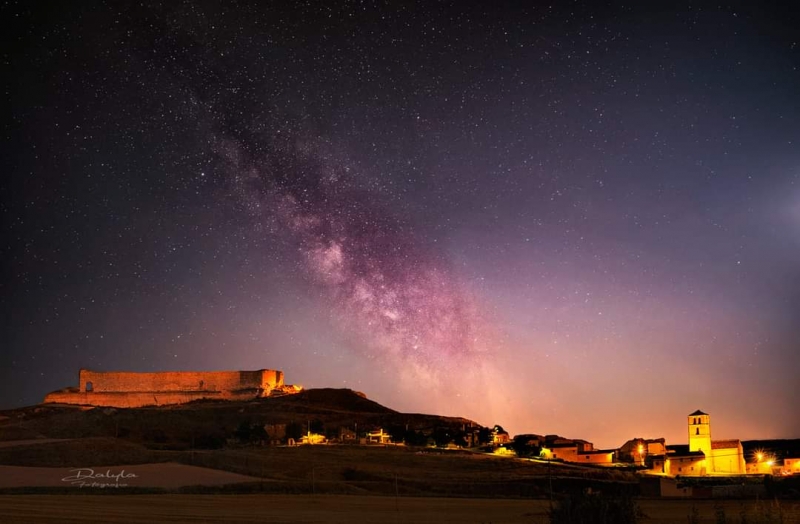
x=582, y=508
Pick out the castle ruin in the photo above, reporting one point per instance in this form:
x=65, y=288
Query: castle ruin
x=130, y=390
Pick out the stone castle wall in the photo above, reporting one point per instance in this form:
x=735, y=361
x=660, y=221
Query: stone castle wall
x=104, y=382
x=128, y=390
x=136, y=400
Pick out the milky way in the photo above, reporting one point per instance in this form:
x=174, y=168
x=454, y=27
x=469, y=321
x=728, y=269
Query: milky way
x=386, y=285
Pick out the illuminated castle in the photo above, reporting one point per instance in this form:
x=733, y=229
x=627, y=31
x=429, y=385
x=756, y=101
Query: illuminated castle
x=129, y=390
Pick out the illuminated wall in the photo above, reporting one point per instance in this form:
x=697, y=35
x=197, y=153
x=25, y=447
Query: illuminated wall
x=126, y=390
x=101, y=382
x=686, y=466
x=727, y=457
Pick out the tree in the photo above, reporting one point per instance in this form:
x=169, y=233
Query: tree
x=415, y=438
x=522, y=446
x=396, y=432
x=442, y=437
x=243, y=431
x=484, y=435
x=317, y=426
x=248, y=432
x=294, y=431
x=258, y=433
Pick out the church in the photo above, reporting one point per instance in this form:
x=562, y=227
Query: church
x=704, y=456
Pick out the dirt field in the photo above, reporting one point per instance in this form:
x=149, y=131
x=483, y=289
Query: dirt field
x=230, y=509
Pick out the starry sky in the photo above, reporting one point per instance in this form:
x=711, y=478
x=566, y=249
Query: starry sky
x=579, y=219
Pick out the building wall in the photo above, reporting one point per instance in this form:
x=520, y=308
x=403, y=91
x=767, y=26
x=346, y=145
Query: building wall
x=758, y=468
x=629, y=452
x=728, y=460
x=791, y=466
x=672, y=489
x=659, y=466
x=596, y=458
x=135, y=400
x=656, y=447
x=564, y=452
x=686, y=466
x=572, y=454
x=102, y=382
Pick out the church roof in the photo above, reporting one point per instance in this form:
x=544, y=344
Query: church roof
x=724, y=444
x=696, y=413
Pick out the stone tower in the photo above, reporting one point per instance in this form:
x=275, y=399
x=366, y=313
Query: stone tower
x=700, y=433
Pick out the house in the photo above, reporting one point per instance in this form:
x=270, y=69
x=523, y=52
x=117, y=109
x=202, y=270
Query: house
x=576, y=450
x=378, y=437
x=313, y=438
x=791, y=466
x=690, y=463
x=276, y=433
x=347, y=436
x=766, y=464
x=500, y=436
x=640, y=451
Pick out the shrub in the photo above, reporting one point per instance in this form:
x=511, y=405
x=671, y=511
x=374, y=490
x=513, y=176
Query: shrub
x=583, y=508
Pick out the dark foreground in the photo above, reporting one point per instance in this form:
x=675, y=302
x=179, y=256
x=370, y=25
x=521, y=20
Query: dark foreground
x=237, y=509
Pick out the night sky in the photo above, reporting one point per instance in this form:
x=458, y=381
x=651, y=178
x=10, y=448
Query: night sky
x=575, y=219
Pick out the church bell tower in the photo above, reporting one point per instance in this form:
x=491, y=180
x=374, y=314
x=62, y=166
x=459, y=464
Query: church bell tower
x=700, y=433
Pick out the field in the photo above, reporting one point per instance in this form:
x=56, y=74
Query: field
x=241, y=509
x=351, y=470
x=180, y=477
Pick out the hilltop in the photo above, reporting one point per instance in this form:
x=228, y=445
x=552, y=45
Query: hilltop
x=212, y=423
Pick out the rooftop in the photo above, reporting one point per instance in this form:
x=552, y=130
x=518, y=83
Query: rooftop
x=724, y=444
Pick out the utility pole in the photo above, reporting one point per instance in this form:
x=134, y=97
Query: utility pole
x=550, y=479
x=396, y=494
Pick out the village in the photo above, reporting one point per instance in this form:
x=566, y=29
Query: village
x=701, y=457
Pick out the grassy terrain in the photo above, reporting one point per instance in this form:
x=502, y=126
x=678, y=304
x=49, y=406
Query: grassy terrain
x=340, y=469
x=210, y=423
x=81, y=452
x=108, y=437
x=349, y=469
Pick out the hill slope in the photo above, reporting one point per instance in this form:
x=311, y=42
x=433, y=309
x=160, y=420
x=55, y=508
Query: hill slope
x=212, y=423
